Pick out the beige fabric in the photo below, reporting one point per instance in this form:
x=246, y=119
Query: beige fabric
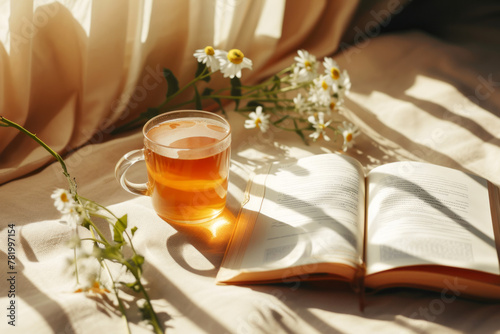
x=414, y=96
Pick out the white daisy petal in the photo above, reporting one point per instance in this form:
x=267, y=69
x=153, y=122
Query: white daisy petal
x=258, y=119
x=306, y=66
x=320, y=126
x=233, y=62
x=349, y=132
x=62, y=200
x=209, y=57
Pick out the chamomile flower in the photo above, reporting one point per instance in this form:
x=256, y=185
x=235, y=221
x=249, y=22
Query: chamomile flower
x=208, y=56
x=70, y=209
x=321, y=92
x=258, y=120
x=332, y=69
x=345, y=81
x=62, y=199
x=334, y=106
x=233, y=62
x=344, y=84
x=349, y=132
x=320, y=126
x=72, y=217
x=306, y=66
x=88, y=269
x=300, y=103
x=95, y=288
x=295, y=79
x=339, y=81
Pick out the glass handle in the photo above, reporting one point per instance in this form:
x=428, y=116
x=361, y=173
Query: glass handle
x=127, y=161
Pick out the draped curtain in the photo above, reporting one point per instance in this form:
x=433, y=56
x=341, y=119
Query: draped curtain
x=71, y=70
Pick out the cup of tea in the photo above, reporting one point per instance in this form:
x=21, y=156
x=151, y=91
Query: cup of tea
x=187, y=155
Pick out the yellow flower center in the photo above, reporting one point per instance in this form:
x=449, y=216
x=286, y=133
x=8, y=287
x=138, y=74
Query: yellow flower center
x=308, y=65
x=64, y=197
x=348, y=137
x=95, y=288
x=258, y=121
x=235, y=56
x=209, y=51
x=335, y=73
x=324, y=85
x=332, y=105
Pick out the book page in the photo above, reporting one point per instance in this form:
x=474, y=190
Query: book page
x=312, y=212
x=422, y=214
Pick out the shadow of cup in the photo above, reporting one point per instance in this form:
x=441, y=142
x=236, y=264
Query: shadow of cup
x=210, y=239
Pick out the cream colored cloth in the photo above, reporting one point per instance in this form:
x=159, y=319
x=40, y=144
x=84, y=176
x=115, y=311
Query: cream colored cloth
x=414, y=96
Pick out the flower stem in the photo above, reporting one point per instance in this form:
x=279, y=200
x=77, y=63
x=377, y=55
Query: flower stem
x=109, y=222
x=120, y=302
x=144, y=116
x=94, y=240
x=154, y=318
x=100, y=238
x=94, y=228
x=76, y=266
x=202, y=76
x=8, y=123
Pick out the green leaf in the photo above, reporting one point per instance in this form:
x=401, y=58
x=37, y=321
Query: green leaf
x=86, y=223
x=112, y=253
x=300, y=133
x=135, y=265
x=221, y=106
x=133, y=230
x=120, y=226
x=236, y=89
x=138, y=260
x=173, y=84
x=254, y=104
x=200, y=70
x=277, y=84
x=207, y=91
x=134, y=286
x=150, y=113
x=146, y=312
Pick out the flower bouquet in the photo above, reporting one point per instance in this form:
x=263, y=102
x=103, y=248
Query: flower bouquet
x=94, y=253
x=301, y=98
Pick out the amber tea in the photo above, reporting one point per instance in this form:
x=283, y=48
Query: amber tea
x=192, y=183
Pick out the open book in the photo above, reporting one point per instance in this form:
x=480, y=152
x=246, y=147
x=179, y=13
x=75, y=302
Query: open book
x=404, y=224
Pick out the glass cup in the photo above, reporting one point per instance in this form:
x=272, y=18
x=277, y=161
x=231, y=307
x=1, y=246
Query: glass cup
x=187, y=155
